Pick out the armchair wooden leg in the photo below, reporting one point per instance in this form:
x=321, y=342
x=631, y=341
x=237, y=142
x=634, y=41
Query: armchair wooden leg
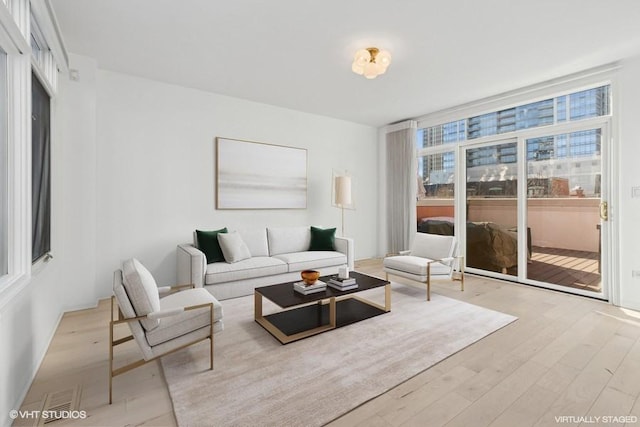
x=462, y=274
x=110, y=363
x=211, y=339
x=211, y=353
x=111, y=354
x=428, y=282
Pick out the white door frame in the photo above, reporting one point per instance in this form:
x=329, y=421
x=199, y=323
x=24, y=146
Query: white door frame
x=606, y=191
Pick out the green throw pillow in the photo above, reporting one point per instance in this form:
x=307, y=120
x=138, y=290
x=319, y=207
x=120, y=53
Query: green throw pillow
x=208, y=243
x=323, y=239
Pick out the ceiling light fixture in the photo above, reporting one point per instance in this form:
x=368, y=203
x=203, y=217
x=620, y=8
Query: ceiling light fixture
x=371, y=62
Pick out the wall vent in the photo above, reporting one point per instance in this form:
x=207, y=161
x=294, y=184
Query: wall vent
x=58, y=402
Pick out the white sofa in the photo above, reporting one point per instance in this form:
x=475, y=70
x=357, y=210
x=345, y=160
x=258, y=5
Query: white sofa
x=277, y=255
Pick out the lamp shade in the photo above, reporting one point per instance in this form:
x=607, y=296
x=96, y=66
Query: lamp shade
x=371, y=62
x=343, y=190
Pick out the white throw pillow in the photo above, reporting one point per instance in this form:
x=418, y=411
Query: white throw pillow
x=233, y=247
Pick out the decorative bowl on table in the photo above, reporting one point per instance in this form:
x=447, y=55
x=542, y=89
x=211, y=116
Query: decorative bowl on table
x=309, y=277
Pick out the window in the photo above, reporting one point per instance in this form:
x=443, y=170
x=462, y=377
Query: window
x=41, y=170
x=576, y=106
x=4, y=173
x=573, y=158
x=436, y=174
x=442, y=134
x=16, y=82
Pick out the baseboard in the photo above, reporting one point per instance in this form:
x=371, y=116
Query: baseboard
x=23, y=394
x=82, y=306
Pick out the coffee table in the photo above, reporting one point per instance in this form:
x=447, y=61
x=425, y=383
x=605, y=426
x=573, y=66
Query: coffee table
x=306, y=315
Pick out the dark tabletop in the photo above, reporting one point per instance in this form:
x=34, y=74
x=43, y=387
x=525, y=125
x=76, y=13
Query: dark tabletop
x=284, y=295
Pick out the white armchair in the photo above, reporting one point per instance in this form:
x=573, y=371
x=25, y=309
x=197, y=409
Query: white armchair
x=159, y=325
x=431, y=256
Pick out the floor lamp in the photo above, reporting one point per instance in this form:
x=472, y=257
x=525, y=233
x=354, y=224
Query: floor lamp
x=342, y=194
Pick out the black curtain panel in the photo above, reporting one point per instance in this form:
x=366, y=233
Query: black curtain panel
x=41, y=170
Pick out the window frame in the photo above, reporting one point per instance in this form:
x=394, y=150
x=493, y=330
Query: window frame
x=18, y=153
x=590, y=79
x=16, y=20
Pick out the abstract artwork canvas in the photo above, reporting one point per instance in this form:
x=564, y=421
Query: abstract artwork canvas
x=253, y=175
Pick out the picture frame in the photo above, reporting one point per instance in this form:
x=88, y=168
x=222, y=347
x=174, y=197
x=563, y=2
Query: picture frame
x=256, y=175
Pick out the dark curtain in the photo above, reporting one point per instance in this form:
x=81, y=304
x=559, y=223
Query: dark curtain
x=41, y=170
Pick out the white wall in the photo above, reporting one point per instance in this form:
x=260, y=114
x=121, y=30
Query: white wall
x=156, y=170
x=133, y=175
x=66, y=282
x=628, y=212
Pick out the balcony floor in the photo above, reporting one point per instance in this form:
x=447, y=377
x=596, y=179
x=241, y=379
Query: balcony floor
x=575, y=269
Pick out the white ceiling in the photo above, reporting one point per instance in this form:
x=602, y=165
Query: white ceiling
x=297, y=53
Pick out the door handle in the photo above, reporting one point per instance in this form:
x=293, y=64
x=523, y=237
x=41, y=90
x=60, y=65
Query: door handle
x=604, y=211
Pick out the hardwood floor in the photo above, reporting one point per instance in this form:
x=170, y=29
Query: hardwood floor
x=566, y=356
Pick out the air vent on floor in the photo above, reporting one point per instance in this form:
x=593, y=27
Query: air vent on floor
x=59, y=403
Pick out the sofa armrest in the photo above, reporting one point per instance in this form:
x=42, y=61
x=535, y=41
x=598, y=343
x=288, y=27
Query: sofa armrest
x=345, y=245
x=192, y=265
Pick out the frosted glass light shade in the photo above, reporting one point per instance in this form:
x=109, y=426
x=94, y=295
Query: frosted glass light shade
x=383, y=58
x=371, y=62
x=343, y=190
x=362, y=57
x=371, y=70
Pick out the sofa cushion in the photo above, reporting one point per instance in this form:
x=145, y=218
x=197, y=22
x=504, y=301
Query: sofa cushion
x=207, y=242
x=288, y=239
x=220, y=272
x=298, y=261
x=256, y=241
x=142, y=291
x=322, y=239
x=233, y=247
x=415, y=265
x=174, y=326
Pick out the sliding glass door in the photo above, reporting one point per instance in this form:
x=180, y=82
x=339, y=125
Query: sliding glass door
x=566, y=209
x=535, y=208
x=491, y=207
x=524, y=188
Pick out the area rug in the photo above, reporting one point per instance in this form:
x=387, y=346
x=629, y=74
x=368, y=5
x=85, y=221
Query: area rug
x=257, y=381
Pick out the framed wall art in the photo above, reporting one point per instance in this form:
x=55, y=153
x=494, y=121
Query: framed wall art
x=254, y=175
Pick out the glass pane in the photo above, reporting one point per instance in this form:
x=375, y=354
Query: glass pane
x=589, y=103
x=563, y=198
x=40, y=170
x=442, y=134
x=484, y=125
x=435, y=212
x=492, y=235
x=535, y=114
x=561, y=109
x=580, y=105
